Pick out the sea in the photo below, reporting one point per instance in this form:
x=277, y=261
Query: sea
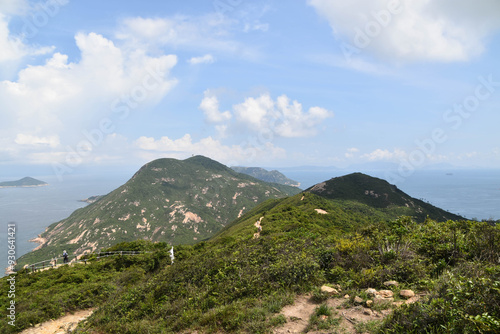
x=474, y=194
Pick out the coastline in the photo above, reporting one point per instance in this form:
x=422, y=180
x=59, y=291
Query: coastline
x=32, y=186
x=39, y=240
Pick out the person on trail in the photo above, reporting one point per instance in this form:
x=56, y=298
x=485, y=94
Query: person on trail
x=65, y=256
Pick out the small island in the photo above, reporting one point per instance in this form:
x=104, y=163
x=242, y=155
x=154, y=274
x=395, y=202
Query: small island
x=25, y=182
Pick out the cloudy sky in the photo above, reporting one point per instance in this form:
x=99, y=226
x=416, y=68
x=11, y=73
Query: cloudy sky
x=255, y=83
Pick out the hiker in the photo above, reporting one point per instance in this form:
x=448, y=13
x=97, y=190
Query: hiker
x=65, y=256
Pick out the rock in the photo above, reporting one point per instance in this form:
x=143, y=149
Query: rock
x=346, y=296
x=406, y=293
x=391, y=283
x=385, y=293
x=358, y=300
x=329, y=290
x=369, y=303
x=323, y=317
x=371, y=292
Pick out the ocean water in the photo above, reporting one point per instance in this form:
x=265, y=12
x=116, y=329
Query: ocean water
x=469, y=193
x=473, y=194
x=33, y=209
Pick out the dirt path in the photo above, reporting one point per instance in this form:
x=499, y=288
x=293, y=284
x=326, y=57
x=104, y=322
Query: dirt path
x=299, y=314
x=63, y=325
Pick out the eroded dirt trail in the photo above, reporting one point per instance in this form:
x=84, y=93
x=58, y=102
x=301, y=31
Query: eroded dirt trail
x=62, y=325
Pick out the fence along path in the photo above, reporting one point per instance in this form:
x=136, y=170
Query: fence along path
x=73, y=259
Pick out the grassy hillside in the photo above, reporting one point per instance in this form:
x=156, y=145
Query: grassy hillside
x=236, y=282
x=179, y=202
x=380, y=194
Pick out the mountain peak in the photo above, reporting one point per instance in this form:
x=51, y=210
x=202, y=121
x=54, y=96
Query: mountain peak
x=377, y=193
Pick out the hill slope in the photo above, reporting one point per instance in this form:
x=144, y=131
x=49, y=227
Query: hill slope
x=379, y=194
x=24, y=182
x=166, y=200
x=273, y=176
x=239, y=281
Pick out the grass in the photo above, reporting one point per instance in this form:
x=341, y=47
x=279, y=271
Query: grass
x=234, y=283
x=323, y=318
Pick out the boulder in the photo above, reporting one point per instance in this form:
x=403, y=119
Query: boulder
x=369, y=303
x=329, y=290
x=406, y=293
x=385, y=293
x=371, y=292
x=358, y=300
x=391, y=283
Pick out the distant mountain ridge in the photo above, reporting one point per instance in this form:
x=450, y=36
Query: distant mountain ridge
x=379, y=194
x=24, y=182
x=177, y=201
x=273, y=176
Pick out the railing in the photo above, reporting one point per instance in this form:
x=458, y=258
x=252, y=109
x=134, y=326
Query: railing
x=73, y=259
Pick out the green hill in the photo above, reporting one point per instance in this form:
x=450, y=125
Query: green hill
x=379, y=194
x=273, y=176
x=179, y=202
x=239, y=281
x=24, y=182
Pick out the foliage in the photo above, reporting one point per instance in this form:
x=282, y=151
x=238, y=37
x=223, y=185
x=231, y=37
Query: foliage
x=237, y=283
x=168, y=200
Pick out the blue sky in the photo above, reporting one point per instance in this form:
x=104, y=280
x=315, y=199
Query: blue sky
x=253, y=83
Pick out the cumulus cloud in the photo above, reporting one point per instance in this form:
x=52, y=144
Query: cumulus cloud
x=206, y=59
x=210, y=107
x=402, y=30
x=209, y=147
x=56, y=101
x=284, y=117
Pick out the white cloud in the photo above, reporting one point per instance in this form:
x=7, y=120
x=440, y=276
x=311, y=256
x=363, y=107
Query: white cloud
x=209, y=147
x=210, y=107
x=208, y=32
x=351, y=152
x=380, y=154
x=405, y=30
x=13, y=6
x=30, y=140
x=256, y=26
x=66, y=98
x=12, y=48
x=283, y=117
x=206, y=59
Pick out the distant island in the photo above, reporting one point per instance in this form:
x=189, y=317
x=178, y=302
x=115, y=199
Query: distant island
x=23, y=183
x=267, y=176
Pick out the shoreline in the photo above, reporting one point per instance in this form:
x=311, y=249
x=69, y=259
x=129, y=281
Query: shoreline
x=39, y=240
x=32, y=186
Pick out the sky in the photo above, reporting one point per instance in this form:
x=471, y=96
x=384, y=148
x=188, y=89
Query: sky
x=115, y=84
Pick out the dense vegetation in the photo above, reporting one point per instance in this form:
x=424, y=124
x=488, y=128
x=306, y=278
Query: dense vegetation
x=237, y=283
x=167, y=200
x=380, y=194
